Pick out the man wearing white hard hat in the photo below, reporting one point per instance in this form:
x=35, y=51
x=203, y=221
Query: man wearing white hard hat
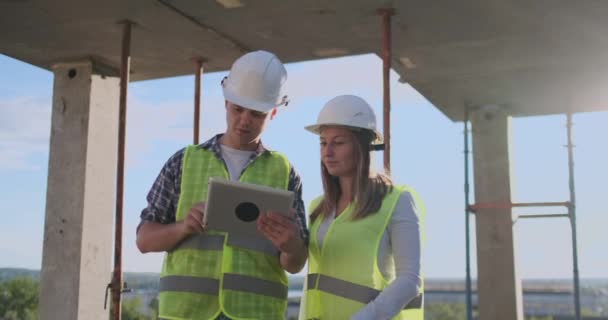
x=207, y=275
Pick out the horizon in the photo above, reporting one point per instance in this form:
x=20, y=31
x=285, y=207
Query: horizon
x=299, y=275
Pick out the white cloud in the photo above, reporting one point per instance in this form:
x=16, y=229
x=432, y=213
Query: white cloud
x=332, y=77
x=24, y=131
x=169, y=121
x=25, y=121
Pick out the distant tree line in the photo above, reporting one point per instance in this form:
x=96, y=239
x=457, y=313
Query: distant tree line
x=19, y=290
x=19, y=299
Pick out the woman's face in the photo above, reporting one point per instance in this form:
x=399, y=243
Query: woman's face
x=338, y=151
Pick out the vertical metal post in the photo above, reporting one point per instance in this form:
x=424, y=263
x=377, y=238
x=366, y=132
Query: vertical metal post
x=572, y=214
x=122, y=124
x=386, y=14
x=467, y=215
x=197, y=99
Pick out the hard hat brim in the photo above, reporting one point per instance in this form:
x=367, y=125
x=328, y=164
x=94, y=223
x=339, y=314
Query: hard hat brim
x=316, y=129
x=248, y=103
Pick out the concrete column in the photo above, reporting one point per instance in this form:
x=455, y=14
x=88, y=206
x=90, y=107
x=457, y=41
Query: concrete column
x=498, y=284
x=77, y=256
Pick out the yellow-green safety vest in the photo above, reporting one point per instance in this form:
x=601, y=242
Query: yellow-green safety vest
x=216, y=272
x=343, y=274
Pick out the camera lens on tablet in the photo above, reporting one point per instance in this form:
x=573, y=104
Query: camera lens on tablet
x=247, y=211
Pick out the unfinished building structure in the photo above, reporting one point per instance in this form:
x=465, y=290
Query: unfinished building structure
x=482, y=60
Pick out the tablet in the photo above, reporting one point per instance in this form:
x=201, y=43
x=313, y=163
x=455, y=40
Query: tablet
x=234, y=206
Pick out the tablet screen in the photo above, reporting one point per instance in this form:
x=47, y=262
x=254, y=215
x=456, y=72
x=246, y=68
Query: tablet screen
x=234, y=206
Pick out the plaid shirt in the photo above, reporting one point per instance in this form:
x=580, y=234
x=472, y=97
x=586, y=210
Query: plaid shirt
x=164, y=194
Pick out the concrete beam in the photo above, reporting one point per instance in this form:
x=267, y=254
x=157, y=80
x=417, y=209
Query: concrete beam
x=77, y=250
x=499, y=286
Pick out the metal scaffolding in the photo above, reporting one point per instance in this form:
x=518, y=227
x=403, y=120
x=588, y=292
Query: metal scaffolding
x=197, y=99
x=569, y=205
x=117, y=283
x=386, y=14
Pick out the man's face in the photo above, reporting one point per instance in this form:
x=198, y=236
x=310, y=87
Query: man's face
x=244, y=125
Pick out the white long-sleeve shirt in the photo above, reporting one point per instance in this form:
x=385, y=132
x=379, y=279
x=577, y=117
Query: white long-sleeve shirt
x=399, y=254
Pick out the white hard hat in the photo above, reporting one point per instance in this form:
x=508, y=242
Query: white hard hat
x=255, y=82
x=350, y=111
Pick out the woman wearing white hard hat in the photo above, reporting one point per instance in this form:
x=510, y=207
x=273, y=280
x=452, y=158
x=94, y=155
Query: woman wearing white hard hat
x=364, y=252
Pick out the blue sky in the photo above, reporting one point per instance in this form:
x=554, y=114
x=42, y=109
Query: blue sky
x=427, y=155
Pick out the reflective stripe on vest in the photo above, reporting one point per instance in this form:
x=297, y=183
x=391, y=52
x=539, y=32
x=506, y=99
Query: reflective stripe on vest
x=190, y=284
x=352, y=291
x=243, y=283
x=202, y=242
x=255, y=244
x=231, y=281
x=216, y=242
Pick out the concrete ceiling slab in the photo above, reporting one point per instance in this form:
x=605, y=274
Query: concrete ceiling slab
x=163, y=42
x=534, y=58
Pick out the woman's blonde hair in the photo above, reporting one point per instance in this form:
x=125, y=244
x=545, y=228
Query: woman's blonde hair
x=369, y=189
